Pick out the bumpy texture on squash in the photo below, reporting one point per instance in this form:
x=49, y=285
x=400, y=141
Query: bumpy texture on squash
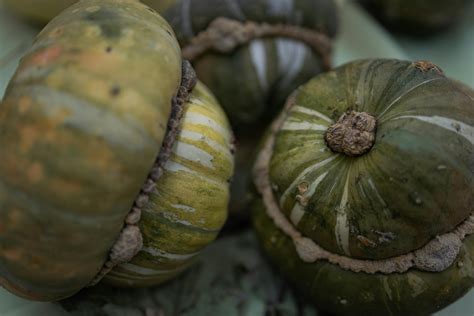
x=417, y=17
x=81, y=126
x=253, y=80
x=370, y=215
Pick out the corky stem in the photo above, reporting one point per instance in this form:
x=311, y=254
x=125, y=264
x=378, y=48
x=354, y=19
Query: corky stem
x=353, y=134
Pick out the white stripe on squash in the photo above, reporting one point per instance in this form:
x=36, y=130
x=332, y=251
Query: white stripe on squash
x=301, y=109
x=301, y=126
x=199, y=119
x=404, y=94
x=184, y=208
x=193, y=153
x=291, y=56
x=172, y=256
x=302, y=176
x=259, y=61
x=298, y=210
x=342, y=223
x=195, y=136
x=172, y=166
x=451, y=125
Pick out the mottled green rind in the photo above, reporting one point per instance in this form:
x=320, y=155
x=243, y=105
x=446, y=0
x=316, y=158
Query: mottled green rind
x=80, y=130
x=230, y=278
x=417, y=181
x=421, y=17
x=342, y=292
x=253, y=81
x=190, y=205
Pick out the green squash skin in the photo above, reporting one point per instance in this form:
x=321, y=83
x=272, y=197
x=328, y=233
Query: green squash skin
x=414, y=184
x=408, y=189
x=254, y=80
x=258, y=95
x=190, y=207
x=343, y=292
x=80, y=131
x=420, y=17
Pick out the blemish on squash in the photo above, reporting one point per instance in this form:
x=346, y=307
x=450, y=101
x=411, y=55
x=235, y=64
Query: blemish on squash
x=384, y=236
x=303, y=187
x=115, y=91
x=44, y=57
x=366, y=242
x=457, y=127
x=102, y=17
x=35, y=173
x=99, y=61
x=303, y=200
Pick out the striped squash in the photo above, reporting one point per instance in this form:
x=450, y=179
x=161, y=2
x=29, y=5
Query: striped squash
x=421, y=17
x=81, y=126
x=253, y=79
x=190, y=208
x=367, y=186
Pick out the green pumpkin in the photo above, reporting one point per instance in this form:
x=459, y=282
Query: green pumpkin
x=99, y=163
x=253, y=78
x=367, y=185
x=418, y=17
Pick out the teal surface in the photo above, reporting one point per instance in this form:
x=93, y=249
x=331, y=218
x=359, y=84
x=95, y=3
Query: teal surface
x=360, y=37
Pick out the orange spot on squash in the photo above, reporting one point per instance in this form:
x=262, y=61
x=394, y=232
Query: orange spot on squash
x=28, y=136
x=24, y=104
x=45, y=56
